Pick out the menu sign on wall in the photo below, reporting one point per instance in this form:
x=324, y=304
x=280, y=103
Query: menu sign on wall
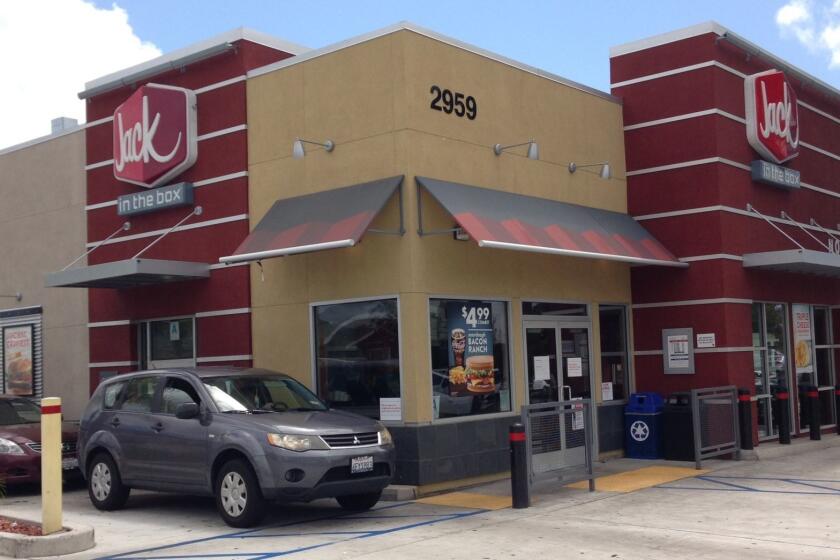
x=17, y=360
x=802, y=338
x=471, y=368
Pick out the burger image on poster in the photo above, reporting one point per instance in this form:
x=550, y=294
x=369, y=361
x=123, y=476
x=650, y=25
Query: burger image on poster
x=480, y=375
x=19, y=375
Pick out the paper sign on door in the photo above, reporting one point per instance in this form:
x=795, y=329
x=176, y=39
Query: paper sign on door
x=542, y=370
x=574, y=367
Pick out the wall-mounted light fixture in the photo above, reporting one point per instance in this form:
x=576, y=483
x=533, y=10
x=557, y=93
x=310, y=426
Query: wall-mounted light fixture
x=298, y=151
x=533, y=149
x=605, y=172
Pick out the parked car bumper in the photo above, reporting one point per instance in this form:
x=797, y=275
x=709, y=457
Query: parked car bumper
x=26, y=468
x=325, y=473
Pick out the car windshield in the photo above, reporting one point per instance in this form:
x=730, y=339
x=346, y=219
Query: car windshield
x=261, y=393
x=18, y=411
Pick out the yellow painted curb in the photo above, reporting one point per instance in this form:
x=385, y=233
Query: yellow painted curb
x=468, y=500
x=640, y=478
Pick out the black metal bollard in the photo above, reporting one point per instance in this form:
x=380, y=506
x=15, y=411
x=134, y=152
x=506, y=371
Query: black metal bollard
x=814, y=419
x=519, y=491
x=745, y=424
x=783, y=397
x=837, y=405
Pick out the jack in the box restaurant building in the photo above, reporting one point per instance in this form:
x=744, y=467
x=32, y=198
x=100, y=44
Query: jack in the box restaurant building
x=421, y=231
x=434, y=235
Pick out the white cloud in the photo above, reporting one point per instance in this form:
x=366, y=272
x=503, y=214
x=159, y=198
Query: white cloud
x=50, y=49
x=815, y=24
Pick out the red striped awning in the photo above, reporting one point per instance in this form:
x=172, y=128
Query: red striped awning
x=506, y=220
x=315, y=222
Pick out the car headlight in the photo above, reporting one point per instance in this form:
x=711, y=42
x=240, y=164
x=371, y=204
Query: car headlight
x=295, y=442
x=385, y=436
x=8, y=447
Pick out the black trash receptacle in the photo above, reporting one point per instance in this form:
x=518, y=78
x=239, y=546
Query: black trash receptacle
x=677, y=428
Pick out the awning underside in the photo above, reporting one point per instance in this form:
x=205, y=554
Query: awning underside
x=128, y=273
x=319, y=221
x=505, y=220
x=802, y=261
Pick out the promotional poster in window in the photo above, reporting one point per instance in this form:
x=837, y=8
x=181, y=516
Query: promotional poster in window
x=17, y=360
x=470, y=328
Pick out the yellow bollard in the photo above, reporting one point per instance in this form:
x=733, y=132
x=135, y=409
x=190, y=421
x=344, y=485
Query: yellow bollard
x=51, y=474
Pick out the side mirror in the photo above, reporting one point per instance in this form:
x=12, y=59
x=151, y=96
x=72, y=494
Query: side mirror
x=186, y=410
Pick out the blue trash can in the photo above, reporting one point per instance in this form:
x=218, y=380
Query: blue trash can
x=643, y=426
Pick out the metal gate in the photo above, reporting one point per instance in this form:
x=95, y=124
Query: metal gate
x=559, y=441
x=714, y=413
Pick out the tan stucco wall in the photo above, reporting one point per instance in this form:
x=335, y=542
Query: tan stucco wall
x=372, y=100
x=42, y=228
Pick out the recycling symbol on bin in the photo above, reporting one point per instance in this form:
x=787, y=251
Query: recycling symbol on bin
x=639, y=431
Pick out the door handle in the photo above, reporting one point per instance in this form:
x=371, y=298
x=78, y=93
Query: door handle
x=158, y=427
x=115, y=422
x=567, y=388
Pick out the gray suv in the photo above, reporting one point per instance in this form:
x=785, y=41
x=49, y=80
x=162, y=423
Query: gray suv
x=244, y=436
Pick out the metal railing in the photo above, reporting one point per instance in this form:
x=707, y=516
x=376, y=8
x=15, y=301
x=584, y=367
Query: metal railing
x=714, y=413
x=559, y=441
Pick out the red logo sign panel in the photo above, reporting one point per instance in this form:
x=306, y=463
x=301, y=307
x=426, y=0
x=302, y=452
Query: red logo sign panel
x=772, y=116
x=155, y=135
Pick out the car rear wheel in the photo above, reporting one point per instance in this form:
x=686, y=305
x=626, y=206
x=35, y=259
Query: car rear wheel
x=238, y=495
x=359, y=502
x=105, y=487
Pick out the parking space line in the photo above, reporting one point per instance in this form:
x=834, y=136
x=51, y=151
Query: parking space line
x=723, y=484
x=167, y=552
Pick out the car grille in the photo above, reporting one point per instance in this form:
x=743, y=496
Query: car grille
x=67, y=447
x=352, y=440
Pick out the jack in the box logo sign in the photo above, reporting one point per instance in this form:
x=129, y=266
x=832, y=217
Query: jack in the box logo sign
x=772, y=116
x=155, y=135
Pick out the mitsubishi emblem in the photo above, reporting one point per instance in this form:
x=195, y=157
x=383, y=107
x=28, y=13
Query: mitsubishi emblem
x=356, y=440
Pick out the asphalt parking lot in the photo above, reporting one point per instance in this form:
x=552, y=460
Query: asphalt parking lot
x=780, y=508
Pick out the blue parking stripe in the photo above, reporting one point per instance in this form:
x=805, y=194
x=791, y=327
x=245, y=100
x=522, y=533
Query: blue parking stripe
x=125, y=555
x=253, y=534
x=738, y=486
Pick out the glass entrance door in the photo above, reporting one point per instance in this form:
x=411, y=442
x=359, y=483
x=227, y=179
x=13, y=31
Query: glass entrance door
x=770, y=361
x=554, y=376
x=167, y=343
x=558, y=367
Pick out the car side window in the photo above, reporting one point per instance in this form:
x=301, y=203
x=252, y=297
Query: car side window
x=138, y=395
x=112, y=393
x=178, y=391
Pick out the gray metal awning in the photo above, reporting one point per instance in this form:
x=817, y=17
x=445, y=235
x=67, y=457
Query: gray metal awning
x=802, y=261
x=129, y=273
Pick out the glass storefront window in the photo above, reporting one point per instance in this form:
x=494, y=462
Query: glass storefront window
x=172, y=340
x=470, y=357
x=357, y=354
x=614, y=359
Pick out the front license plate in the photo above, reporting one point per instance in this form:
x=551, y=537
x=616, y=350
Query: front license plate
x=71, y=463
x=361, y=464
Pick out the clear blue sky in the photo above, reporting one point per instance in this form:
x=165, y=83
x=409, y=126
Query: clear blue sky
x=570, y=38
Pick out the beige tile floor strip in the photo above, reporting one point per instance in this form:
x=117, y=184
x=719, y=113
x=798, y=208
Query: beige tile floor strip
x=468, y=500
x=646, y=477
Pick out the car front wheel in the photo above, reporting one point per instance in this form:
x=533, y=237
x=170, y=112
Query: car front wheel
x=238, y=495
x=359, y=502
x=105, y=487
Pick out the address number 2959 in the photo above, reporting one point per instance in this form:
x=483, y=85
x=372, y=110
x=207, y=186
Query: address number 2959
x=448, y=102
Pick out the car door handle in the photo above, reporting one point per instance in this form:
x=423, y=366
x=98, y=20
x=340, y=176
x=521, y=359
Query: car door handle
x=158, y=427
x=115, y=422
